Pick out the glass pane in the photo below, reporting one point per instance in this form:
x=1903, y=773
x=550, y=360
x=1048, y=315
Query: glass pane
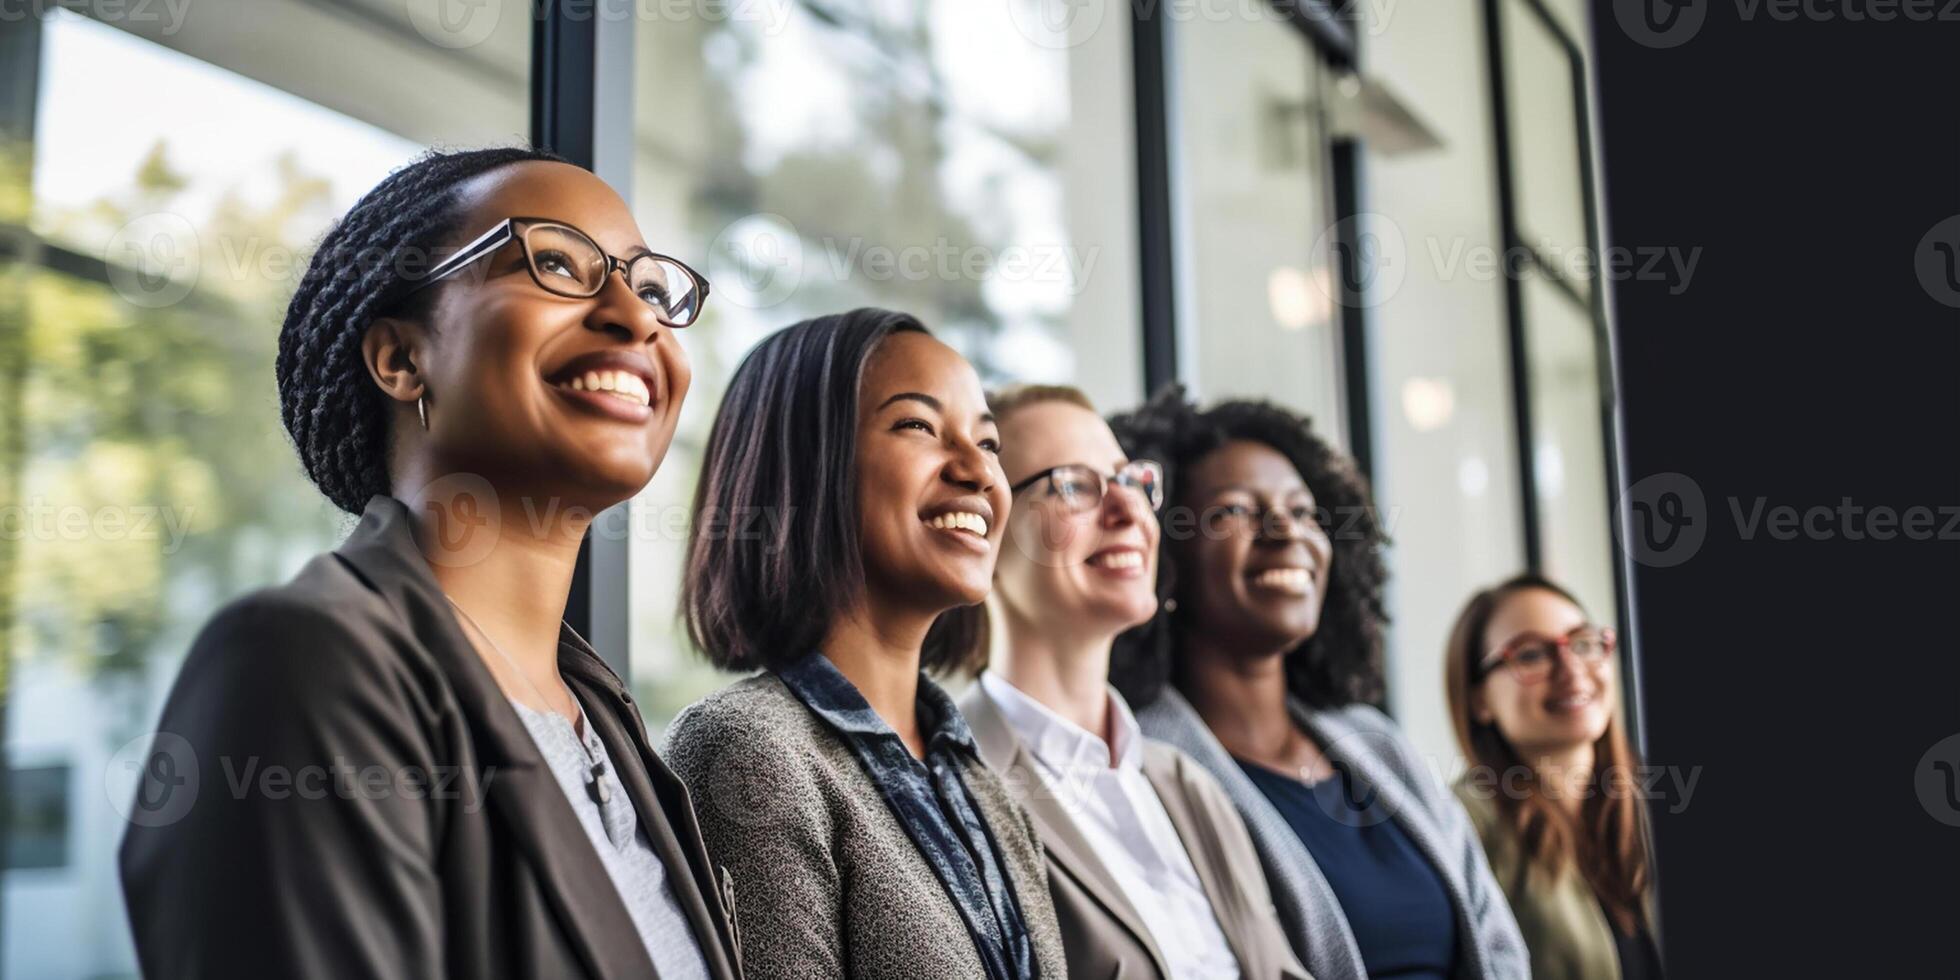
x=167, y=202
x=1568, y=446
x=1256, y=289
x=1538, y=78
x=967, y=161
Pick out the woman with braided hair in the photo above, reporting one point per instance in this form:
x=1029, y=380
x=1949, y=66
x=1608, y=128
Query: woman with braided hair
x=402, y=763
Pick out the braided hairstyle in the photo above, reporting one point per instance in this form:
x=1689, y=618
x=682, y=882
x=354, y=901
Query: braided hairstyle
x=1341, y=663
x=337, y=418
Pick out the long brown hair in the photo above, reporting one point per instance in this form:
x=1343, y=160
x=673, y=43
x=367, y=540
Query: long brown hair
x=1608, y=841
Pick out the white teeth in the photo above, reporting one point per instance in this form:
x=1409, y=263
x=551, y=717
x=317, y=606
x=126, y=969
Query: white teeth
x=960, y=521
x=620, y=384
x=1121, y=559
x=1296, y=580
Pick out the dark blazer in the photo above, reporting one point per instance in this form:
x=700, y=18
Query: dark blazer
x=357, y=797
x=1102, y=934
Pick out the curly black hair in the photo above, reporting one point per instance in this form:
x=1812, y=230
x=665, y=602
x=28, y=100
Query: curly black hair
x=1341, y=663
x=335, y=415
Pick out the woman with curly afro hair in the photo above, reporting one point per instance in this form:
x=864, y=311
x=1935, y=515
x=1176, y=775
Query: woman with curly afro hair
x=411, y=766
x=1264, y=663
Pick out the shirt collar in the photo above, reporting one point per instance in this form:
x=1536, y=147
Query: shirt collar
x=832, y=697
x=1059, y=742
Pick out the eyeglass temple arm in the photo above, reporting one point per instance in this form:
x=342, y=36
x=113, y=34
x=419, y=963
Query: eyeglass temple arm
x=484, y=244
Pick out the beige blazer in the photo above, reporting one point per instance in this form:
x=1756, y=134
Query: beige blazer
x=1102, y=934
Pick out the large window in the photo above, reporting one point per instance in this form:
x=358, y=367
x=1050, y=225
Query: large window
x=163, y=184
x=1560, y=318
x=966, y=162
x=1256, y=289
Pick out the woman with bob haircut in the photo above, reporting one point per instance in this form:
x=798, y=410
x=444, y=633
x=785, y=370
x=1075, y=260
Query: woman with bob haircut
x=482, y=355
x=1534, y=693
x=1265, y=665
x=842, y=787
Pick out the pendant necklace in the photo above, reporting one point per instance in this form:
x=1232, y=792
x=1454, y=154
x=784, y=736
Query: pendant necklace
x=595, y=778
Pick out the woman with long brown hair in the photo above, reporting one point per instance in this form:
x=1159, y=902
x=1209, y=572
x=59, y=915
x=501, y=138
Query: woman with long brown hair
x=1534, y=693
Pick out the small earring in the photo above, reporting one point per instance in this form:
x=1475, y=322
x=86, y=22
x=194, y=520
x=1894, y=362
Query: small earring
x=1170, y=605
x=422, y=410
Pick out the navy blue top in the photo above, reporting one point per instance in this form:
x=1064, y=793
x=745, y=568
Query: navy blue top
x=1394, y=901
x=931, y=803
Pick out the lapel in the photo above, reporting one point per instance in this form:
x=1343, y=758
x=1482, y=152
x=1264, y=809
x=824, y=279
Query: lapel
x=1003, y=752
x=662, y=802
x=518, y=783
x=1165, y=771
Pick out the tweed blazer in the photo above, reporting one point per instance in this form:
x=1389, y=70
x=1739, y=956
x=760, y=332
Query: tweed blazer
x=1101, y=930
x=1376, y=755
x=827, y=882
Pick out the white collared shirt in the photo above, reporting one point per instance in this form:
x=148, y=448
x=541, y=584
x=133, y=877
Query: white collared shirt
x=1117, y=810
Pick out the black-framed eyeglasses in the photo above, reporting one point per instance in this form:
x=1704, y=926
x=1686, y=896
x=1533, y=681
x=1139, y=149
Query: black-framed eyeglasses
x=566, y=261
x=1081, y=488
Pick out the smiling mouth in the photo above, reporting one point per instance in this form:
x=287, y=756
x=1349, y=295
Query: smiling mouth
x=1571, y=702
x=959, y=521
x=1292, y=581
x=1117, y=560
x=623, y=385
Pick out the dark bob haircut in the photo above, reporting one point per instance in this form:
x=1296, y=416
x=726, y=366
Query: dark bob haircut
x=776, y=548
x=1341, y=663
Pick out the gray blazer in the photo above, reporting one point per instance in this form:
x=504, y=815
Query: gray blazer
x=1374, y=752
x=1102, y=932
x=828, y=884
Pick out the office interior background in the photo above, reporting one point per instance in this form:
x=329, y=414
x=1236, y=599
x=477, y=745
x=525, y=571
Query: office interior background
x=1377, y=213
